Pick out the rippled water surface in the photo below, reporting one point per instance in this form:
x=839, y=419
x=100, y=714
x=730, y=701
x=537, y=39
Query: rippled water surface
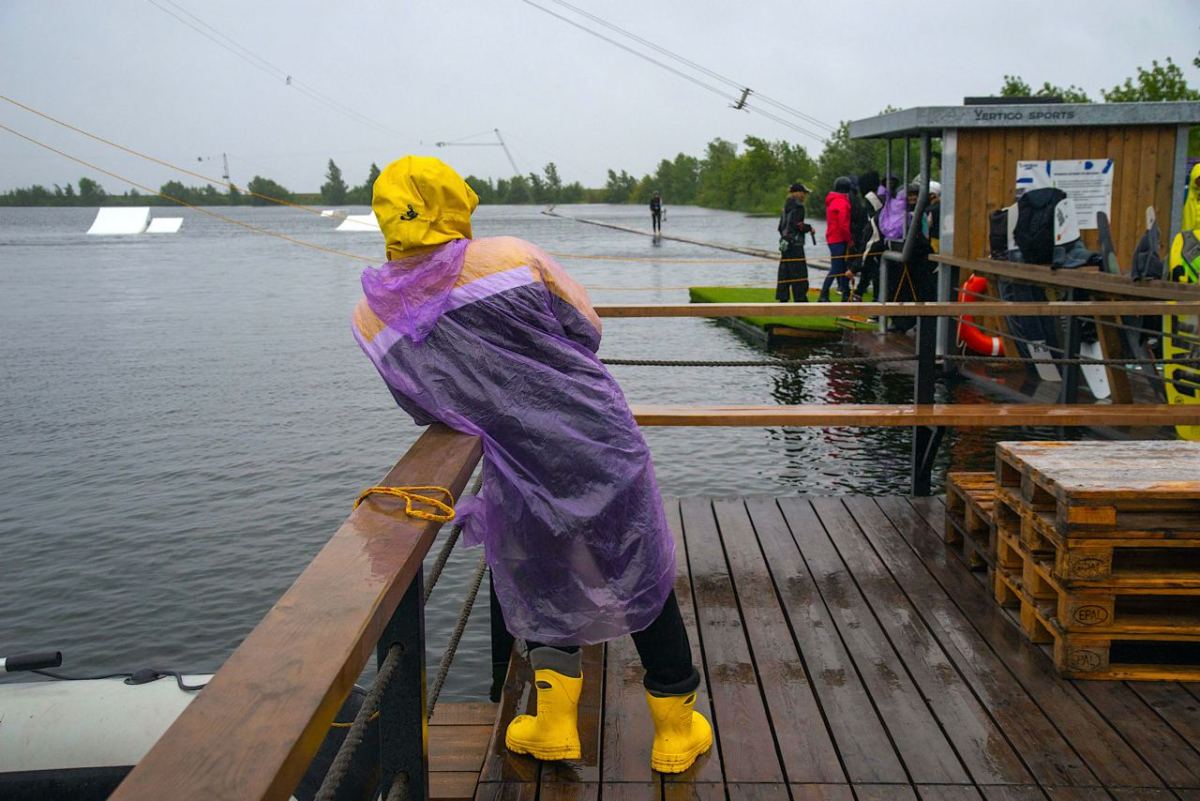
x=185, y=419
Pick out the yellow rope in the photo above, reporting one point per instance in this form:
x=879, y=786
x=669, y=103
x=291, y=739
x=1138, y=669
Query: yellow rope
x=444, y=511
x=339, y=725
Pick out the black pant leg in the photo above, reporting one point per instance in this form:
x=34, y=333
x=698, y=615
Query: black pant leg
x=666, y=653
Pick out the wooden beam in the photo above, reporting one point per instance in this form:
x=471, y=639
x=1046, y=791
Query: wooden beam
x=979, y=309
x=253, y=731
x=1089, y=278
x=962, y=415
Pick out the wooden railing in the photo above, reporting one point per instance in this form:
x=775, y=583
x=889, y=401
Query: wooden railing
x=958, y=415
x=929, y=421
x=1089, y=278
x=251, y=733
x=255, y=728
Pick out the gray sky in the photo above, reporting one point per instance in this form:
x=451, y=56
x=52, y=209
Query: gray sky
x=428, y=71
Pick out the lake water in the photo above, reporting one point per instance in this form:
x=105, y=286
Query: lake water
x=185, y=419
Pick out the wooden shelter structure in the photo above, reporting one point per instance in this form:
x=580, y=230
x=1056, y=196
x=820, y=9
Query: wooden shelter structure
x=982, y=143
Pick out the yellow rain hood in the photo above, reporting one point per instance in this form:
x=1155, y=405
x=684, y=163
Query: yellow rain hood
x=421, y=201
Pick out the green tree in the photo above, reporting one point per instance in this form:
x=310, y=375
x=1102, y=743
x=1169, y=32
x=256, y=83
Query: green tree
x=267, y=189
x=553, y=183
x=1015, y=86
x=572, y=193
x=537, y=189
x=1160, y=82
x=517, y=190
x=619, y=187
x=334, y=190
x=361, y=194
x=483, y=188
x=90, y=192
x=235, y=196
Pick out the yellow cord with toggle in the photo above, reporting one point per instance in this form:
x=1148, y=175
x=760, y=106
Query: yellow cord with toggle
x=444, y=511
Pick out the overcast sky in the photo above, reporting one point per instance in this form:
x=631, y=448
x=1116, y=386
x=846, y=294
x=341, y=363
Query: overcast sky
x=403, y=75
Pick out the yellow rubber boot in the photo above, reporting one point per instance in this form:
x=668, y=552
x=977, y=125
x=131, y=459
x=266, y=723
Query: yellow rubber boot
x=680, y=732
x=554, y=732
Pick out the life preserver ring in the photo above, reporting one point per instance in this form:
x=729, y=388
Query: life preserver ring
x=968, y=333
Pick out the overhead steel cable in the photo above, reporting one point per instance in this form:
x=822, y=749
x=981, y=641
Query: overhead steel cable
x=181, y=202
x=698, y=67
x=258, y=62
x=690, y=78
x=147, y=157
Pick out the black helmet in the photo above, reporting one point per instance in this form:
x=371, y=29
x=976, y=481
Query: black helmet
x=843, y=184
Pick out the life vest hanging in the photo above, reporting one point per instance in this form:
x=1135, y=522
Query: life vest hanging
x=968, y=334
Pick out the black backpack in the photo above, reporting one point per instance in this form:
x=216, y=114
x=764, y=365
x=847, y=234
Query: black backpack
x=1034, y=233
x=860, y=221
x=1146, y=261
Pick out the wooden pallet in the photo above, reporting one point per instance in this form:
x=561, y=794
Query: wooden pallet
x=968, y=526
x=1120, y=490
x=1114, y=657
x=1096, y=561
x=1115, y=610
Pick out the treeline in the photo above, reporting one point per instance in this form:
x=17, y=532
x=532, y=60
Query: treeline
x=751, y=178
x=259, y=191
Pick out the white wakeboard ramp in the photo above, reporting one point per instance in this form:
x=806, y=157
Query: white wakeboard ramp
x=361, y=223
x=115, y=221
x=165, y=225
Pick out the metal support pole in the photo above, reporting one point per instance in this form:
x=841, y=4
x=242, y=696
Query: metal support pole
x=926, y=439
x=1069, y=392
x=403, y=730
x=502, y=643
x=947, y=335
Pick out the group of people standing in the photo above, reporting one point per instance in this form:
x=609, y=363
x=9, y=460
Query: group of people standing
x=864, y=217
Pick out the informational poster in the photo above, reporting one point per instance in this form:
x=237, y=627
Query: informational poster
x=1088, y=182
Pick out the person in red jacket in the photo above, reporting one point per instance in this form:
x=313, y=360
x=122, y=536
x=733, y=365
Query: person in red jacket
x=837, y=236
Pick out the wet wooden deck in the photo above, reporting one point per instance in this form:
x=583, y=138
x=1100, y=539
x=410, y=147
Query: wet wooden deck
x=849, y=655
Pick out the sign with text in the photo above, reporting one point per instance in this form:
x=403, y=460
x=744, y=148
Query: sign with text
x=1088, y=182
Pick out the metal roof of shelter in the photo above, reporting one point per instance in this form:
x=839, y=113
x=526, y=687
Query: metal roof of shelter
x=935, y=119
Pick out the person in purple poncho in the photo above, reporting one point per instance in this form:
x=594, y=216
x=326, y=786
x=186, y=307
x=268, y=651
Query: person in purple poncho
x=492, y=337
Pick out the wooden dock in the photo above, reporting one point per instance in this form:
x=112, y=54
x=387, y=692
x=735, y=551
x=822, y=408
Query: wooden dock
x=848, y=653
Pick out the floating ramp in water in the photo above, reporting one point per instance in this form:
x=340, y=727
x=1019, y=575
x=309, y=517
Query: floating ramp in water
x=360, y=223
x=112, y=221
x=165, y=225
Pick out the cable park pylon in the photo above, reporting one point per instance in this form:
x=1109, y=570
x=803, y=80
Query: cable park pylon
x=498, y=143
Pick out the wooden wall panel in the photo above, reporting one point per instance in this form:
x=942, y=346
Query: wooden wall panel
x=987, y=165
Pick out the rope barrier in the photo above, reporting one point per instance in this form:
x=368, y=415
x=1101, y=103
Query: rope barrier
x=435, y=572
x=758, y=363
x=354, y=738
x=456, y=637
x=399, y=790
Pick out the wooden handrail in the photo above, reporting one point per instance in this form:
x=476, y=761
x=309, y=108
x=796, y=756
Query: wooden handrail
x=1113, y=308
x=1089, y=278
x=251, y=733
x=962, y=415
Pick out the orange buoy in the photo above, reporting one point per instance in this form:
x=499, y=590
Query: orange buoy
x=968, y=333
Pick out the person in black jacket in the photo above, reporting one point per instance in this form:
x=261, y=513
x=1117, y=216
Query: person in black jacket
x=792, y=282
x=656, y=212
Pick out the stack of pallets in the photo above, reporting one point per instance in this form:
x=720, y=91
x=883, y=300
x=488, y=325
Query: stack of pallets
x=1098, y=547
x=970, y=498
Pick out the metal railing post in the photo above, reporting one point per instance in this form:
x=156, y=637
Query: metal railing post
x=502, y=643
x=926, y=439
x=403, y=730
x=1069, y=393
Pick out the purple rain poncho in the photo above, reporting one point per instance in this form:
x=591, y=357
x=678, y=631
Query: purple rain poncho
x=569, y=511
